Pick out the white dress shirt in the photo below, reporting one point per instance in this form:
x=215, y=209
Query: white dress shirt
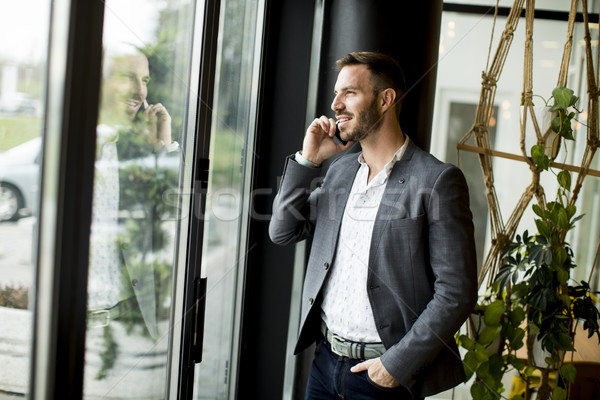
x=346, y=307
x=105, y=276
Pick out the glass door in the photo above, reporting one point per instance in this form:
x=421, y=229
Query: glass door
x=227, y=213
x=144, y=195
x=142, y=141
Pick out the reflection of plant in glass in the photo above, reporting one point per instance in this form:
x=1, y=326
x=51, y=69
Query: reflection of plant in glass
x=14, y=297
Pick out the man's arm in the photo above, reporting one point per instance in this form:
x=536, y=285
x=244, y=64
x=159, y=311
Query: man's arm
x=293, y=209
x=293, y=215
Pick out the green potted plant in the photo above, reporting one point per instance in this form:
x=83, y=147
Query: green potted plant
x=533, y=301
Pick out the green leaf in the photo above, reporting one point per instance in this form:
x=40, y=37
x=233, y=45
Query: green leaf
x=533, y=329
x=517, y=342
x=564, y=179
x=542, y=227
x=548, y=257
x=559, y=393
x=563, y=97
x=556, y=124
x=565, y=342
x=489, y=333
x=517, y=315
x=560, y=256
x=466, y=342
x=481, y=353
x=478, y=391
x=470, y=364
x=571, y=210
x=567, y=132
x=496, y=364
x=538, y=210
x=563, y=219
x=568, y=372
x=518, y=364
x=483, y=370
x=493, y=312
x=519, y=291
x=529, y=371
x=562, y=276
x=539, y=157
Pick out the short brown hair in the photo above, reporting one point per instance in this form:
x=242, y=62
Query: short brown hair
x=385, y=72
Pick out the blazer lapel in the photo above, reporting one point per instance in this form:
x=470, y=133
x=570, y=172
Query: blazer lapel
x=398, y=186
x=340, y=194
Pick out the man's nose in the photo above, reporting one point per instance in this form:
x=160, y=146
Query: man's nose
x=137, y=87
x=336, y=104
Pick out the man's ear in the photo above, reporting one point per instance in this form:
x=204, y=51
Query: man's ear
x=387, y=99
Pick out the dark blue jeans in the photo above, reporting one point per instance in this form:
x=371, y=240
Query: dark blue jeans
x=330, y=378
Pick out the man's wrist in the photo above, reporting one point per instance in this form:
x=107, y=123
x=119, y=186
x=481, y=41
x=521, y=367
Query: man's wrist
x=300, y=159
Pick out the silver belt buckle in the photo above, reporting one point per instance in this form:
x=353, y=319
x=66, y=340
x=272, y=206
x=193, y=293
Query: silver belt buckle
x=335, y=342
x=106, y=315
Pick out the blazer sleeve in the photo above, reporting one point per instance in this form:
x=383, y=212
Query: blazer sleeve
x=294, y=206
x=452, y=261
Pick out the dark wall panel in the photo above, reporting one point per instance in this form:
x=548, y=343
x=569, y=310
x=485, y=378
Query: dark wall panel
x=407, y=30
x=281, y=128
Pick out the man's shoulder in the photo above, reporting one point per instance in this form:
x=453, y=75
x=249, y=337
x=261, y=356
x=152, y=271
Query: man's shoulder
x=418, y=155
x=427, y=163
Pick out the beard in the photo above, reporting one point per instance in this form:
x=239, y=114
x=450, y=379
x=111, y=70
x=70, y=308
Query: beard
x=367, y=120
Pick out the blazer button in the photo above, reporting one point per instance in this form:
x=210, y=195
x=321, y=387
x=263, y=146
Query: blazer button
x=326, y=266
x=311, y=301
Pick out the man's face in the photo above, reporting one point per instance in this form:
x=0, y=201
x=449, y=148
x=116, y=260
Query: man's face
x=136, y=75
x=355, y=104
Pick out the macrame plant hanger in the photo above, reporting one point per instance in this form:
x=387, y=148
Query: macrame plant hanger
x=503, y=233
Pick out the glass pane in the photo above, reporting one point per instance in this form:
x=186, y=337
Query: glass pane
x=23, y=55
x=135, y=222
x=224, y=248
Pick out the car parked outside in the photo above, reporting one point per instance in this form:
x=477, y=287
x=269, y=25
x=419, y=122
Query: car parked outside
x=20, y=180
x=20, y=169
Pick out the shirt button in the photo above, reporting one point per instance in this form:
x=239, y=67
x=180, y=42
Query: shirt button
x=311, y=301
x=326, y=265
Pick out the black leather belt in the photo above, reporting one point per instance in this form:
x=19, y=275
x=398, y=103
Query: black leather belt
x=347, y=348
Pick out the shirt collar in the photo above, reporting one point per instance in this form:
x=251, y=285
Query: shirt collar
x=383, y=175
x=390, y=164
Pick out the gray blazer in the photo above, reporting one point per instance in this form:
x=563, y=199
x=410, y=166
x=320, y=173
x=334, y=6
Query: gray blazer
x=422, y=279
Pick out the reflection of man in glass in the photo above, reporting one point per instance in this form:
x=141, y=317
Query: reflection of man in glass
x=137, y=72
x=126, y=231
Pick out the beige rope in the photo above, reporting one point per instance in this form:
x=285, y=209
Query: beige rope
x=502, y=233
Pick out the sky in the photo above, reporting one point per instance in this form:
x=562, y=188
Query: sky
x=24, y=27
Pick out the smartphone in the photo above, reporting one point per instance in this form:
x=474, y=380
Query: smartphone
x=142, y=108
x=337, y=134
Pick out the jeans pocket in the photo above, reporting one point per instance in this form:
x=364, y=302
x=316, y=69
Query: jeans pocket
x=378, y=387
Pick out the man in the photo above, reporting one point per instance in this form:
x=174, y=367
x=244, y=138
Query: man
x=392, y=270
x=121, y=182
